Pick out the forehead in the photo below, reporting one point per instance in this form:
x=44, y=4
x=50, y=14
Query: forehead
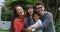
x=35, y=14
x=18, y=7
x=39, y=6
x=30, y=8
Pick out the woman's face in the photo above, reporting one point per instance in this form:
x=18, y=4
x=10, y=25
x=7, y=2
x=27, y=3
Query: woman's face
x=30, y=11
x=36, y=17
x=19, y=10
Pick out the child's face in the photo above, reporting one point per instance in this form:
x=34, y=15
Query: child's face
x=36, y=17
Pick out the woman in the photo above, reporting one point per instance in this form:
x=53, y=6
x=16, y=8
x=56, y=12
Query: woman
x=29, y=14
x=18, y=20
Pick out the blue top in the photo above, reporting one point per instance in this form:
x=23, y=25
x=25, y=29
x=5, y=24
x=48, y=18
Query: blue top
x=28, y=22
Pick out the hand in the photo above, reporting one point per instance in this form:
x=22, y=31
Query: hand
x=24, y=30
x=29, y=28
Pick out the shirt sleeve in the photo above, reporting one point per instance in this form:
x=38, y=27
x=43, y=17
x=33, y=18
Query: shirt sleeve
x=39, y=23
x=48, y=20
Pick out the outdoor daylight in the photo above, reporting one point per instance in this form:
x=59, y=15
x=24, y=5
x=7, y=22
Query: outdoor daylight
x=29, y=15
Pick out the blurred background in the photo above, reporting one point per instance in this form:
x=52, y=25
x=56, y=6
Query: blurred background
x=6, y=11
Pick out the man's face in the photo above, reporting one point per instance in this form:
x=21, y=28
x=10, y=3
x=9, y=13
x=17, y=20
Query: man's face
x=40, y=9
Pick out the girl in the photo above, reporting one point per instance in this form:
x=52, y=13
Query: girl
x=29, y=14
x=18, y=21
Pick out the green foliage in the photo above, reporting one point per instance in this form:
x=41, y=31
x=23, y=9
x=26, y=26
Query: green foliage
x=32, y=1
x=9, y=1
x=6, y=16
x=57, y=27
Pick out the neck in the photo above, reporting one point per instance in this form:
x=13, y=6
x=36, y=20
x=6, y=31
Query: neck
x=21, y=17
x=31, y=16
x=43, y=13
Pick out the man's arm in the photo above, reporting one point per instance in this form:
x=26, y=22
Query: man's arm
x=48, y=20
x=37, y=24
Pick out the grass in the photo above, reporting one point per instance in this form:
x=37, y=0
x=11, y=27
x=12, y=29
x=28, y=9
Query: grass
x=4, y=30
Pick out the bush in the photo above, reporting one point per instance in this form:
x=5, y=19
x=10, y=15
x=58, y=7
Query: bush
x=6, y=16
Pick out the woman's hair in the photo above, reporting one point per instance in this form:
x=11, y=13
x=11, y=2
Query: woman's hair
x=39, y=3
x=14, y=15
x=34, y=14
x=27, y=7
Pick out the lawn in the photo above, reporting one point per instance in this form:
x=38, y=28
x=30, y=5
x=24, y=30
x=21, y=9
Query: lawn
x=4, y=30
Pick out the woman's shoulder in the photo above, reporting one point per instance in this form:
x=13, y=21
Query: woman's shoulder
x=16, y=19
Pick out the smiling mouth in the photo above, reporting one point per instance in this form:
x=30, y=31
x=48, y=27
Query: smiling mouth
x=30, y=12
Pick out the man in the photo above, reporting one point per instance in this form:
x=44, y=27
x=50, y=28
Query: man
x=46, y=17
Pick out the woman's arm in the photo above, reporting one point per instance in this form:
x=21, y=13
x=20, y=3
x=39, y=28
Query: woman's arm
x=36, y=25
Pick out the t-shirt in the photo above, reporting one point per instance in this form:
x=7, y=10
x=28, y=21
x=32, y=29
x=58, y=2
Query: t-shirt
x=18, y=25
x=39, y=23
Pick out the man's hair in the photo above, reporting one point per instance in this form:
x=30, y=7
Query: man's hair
x=39, y=3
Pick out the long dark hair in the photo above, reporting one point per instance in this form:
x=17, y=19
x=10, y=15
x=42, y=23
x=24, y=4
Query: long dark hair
x=27, y=7
x=14, y=15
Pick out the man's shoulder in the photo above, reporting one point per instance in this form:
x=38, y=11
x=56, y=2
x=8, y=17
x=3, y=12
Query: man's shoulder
x=48, y=14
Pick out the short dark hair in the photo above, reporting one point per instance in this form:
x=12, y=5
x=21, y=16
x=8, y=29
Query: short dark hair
x=34, y=14
x=39, y=3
